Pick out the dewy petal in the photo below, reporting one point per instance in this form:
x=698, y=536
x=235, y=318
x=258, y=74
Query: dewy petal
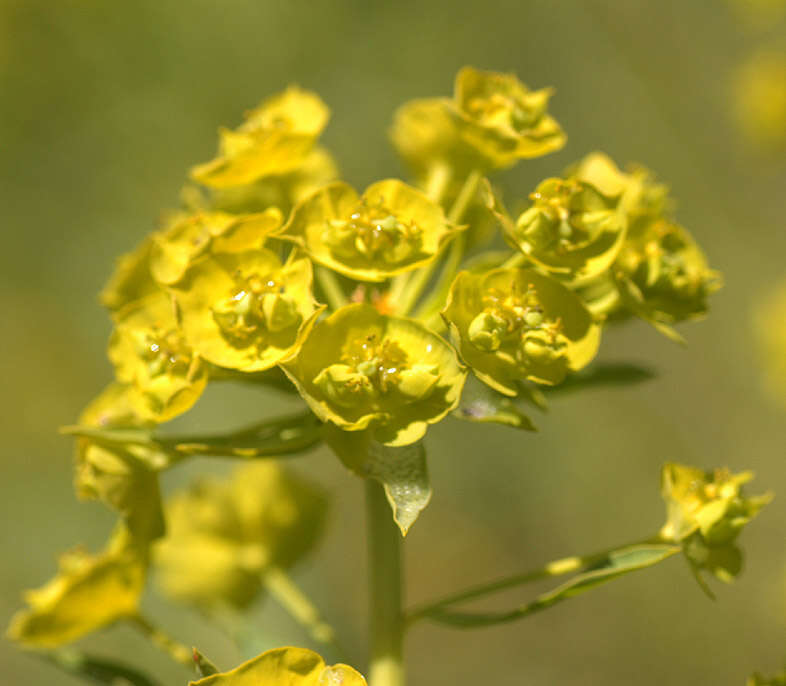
x=361, y=369
x=540, y=330
x=274, y=139
x=390, y=229
x=286, y=667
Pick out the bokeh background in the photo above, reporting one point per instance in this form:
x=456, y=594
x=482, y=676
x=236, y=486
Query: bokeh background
x=103, y=107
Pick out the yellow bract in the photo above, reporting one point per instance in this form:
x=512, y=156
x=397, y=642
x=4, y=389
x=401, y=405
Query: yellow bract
x=188, y=236
x=516, y=324
x=131, y=279
x=361, y=369
x=274, y=139
x=246, y=311
x=89, y=592
x=223, y=535
x=391, y=228
x=286, y=667
x=150, y=353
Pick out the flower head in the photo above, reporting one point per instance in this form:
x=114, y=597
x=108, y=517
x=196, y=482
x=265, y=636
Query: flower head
x=246, y=310
x=390, y=229
x=150, y=353
x=570, y=229
x=360, y=369
x=517, y=324
x=223, y=534
x=274, y=139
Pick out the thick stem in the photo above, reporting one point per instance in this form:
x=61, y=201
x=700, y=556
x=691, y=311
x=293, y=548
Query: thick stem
x=385, y=591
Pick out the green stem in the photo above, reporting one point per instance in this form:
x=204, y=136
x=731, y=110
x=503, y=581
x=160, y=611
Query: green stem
x=282, y=587
x=385, y=591
x=176, y=650
x=559, y=567
x=515, y=260
x=331, y=287
x=421, y=278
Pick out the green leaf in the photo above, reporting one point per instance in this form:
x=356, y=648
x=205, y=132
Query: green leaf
x=97, y=670
x=604, y=374
x=204, y=667
x=617, y=563
x=401, y=470
x=479, y=403
x=274, y=437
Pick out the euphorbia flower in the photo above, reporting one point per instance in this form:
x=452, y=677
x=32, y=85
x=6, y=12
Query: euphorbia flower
x=246, y=310
x=391, y=228
x=274, y=139
x=150, y=352
x=360, y=369
x=517, y=324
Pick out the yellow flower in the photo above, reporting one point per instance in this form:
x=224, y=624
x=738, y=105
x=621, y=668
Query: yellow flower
x=391, y=228
x=123, y=477
x=502, y=119
x=188, y=236
x=223, y=535
x=492, y=121
x=274, y=139
x=361, y=369
x=246, y=310
x=570, y=229
x=149, y=352
x=286, y=667
x=89, y=592
x=517, y=324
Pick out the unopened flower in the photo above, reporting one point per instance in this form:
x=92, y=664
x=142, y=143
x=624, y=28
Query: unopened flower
x=223, y=534
x=360, y=369
x=274, y=139
x=517, y=324
x=391, y=228
x=246, y=310
x=88, y=593
x=286, y=667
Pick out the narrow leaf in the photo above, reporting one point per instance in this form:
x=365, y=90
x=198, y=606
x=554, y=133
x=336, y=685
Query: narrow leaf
x=479, y=403
x=618, y=563
x=204, y=667
x=604, y=374
x=97, y=670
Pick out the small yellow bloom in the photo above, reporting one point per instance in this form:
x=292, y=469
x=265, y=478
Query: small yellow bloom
x=88, y=593
x=517, y=324
x=570, y=229
x=274, y=139
x=131, y=279
x=188, y=236
x=760, y=99
x=286, y=667
x=223, y=535
x=361, y=369
x=391, y=228
x=150, y=353
x=246, y=310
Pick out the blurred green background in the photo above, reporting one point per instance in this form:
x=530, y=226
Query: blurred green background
x=103, y=107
